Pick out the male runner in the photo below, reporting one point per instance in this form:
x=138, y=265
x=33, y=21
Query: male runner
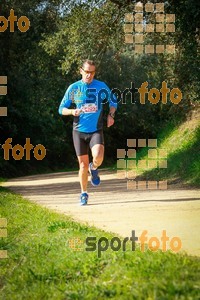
x=88, y=95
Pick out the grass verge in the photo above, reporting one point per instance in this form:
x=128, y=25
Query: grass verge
x=41, y=264
x=176, y=158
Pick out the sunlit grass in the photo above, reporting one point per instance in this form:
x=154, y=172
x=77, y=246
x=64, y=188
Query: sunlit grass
x=182, y=145
x=41, y=263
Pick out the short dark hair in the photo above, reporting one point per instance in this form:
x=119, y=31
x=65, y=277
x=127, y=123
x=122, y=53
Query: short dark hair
x=89, y=62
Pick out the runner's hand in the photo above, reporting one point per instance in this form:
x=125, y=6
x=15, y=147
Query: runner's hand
x=76, y=112
x=110, y=121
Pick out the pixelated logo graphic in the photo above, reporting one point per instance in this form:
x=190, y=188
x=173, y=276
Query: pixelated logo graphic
x=76, y=96
x=136, y=27
x=3, y=234
x=76, y=244
x=3, y=92
x=129, y=166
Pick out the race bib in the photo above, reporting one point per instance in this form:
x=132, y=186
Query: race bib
x=89, y=108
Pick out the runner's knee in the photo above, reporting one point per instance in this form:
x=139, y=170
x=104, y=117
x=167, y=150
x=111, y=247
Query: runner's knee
x=97, y=160
x=83, y=166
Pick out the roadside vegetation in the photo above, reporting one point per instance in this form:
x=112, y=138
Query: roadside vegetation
x=182, y=145
x=47, y=260
x=42, y=62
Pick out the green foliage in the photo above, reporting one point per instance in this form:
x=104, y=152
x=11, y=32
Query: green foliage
x=41, y=63
x=35, y=88
x=87, y=32
x=181, y=142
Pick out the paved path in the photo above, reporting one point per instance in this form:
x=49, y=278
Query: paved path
x=114, y=208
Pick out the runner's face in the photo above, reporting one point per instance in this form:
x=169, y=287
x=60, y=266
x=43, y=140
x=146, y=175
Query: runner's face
x=87, y=72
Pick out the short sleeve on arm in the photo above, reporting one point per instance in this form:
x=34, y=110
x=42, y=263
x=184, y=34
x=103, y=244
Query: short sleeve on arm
x=112, y=98
x=67, y=99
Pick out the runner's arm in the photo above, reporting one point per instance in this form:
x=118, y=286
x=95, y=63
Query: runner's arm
x=68, y=112
x=112, y=112
x=66, y=103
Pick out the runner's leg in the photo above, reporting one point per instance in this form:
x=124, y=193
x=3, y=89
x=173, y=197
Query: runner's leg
x=83, y=171
x=82, y=148
x=97, y=149
x=97, y=155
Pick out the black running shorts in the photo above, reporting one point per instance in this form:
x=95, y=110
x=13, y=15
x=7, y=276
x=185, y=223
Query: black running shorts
x=83, y=141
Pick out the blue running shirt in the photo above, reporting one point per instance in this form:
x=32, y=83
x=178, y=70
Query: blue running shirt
x=90, y=98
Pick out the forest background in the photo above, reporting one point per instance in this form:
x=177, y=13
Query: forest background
x=41, y=63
